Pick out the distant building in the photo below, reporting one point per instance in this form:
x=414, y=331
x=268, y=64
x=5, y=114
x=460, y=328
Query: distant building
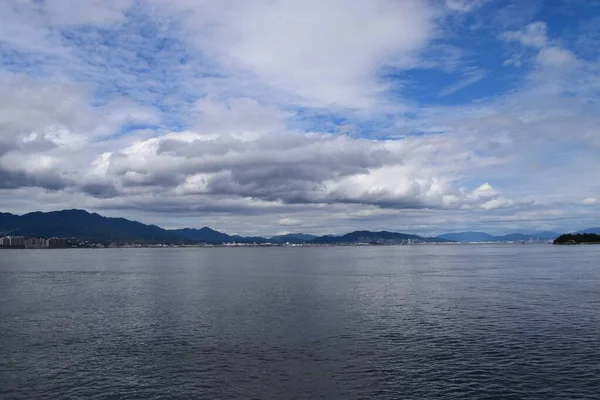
x=57, y=243
x=36, y=243
x=15, y=241
x=19, y=242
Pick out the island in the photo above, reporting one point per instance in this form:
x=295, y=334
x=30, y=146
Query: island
x=580, y=238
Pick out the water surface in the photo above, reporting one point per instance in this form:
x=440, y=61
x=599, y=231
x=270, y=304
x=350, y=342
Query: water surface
x=409, y=322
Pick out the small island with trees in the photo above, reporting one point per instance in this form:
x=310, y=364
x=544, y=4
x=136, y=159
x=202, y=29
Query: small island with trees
x=581, y=238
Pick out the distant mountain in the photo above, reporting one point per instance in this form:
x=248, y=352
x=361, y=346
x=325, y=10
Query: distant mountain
x=383, y=237
x=204, y=235
x=485, y=237
x=84, y=226
x=249, y=239
x=590, y=230
x=546, y=235
x=293, y=238
x=514, y=237
x=208, y=235
x=81, y=225
x=467, y=237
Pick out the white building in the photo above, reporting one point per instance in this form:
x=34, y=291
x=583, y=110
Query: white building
x=15, y=241
x=36, y=243
x=57, y=243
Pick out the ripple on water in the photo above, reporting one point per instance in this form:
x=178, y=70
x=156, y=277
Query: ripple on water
x=423, y=322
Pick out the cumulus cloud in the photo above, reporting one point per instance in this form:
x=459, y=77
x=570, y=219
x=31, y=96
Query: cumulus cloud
x=322, y=53
x=555, y=56
x=270, y=163
x=245, y=151
x=535, y=35
x=48, y=130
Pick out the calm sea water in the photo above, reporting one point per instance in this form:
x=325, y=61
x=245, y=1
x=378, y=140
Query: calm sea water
x=412, y=322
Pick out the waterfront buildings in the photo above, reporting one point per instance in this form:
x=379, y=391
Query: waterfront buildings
x=20, y=242
x=13, y=241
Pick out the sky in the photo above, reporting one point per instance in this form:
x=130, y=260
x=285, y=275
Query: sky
x=315, y=116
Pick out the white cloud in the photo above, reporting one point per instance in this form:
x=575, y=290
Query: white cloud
x=29, y=25
x=469, y=78
x=49, y=131
x=497, y=203
x=463, y=5
x=273, y=164
x=555, y=56
x=96, y=12
x=590, y=201
x=289, y=222
x=323, y=53
x=534, y=35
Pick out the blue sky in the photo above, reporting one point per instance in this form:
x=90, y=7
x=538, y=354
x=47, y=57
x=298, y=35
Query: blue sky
x=279, y=116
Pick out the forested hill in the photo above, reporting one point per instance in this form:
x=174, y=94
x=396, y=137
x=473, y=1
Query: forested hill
x=580, y=238
x=91, y=227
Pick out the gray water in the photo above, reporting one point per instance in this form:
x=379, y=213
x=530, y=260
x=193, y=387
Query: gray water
x=406, y=322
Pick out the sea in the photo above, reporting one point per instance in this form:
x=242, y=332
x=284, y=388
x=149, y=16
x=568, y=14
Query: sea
x=381, y=322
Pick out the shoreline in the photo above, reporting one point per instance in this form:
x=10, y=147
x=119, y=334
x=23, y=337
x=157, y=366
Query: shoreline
x=245, y=245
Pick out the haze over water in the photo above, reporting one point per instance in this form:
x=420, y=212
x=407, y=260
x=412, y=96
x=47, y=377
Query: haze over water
x=403, y=322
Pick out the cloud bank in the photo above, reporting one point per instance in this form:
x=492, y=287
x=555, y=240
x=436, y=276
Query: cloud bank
x=313, y=116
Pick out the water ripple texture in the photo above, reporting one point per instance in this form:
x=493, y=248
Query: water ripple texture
x=406, y=322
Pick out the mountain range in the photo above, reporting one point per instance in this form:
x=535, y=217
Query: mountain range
x=81, y=225
x=590, y=230
x=85, y=226
x=372, y=237
x=92, y=227
x=485, y=237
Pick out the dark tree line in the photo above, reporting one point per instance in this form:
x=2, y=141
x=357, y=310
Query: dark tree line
x=570, y=238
